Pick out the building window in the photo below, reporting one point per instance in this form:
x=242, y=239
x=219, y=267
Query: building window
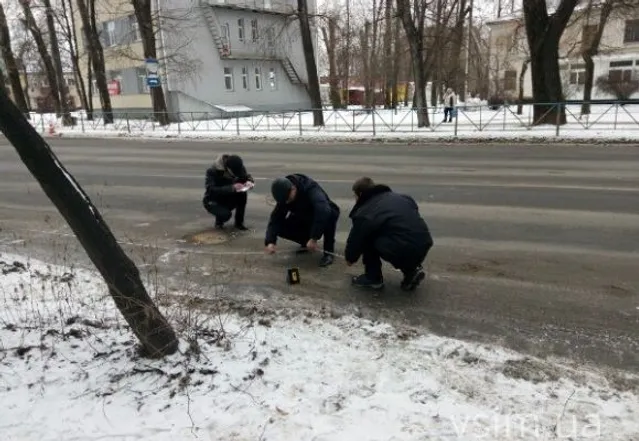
x=141, y=75
x=245, y=78
x=271, y=79
x=258, y=78
x=254, y=34
x=270, y=39
x=631, y=34
x=588, y=33
x=620, y=71
x=226, y=36
x=510, y=80
x=110, y=33
x=228, y=78
x=577, y=74
x=240, y=29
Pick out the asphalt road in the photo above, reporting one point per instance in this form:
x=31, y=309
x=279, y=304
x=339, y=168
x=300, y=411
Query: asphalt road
x=536, y=247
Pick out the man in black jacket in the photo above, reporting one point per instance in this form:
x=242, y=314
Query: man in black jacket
x=224, y=181
x=303, y=214
x=388, y=226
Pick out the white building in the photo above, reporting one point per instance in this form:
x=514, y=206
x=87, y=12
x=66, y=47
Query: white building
x=618, y=53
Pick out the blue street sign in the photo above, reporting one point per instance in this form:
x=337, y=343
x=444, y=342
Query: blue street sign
x=152, y=81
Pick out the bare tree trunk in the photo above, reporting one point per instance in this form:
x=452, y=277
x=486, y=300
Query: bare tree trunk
x=49, y=69
x=90, y=88
x=119, y=272
x=96, y=55
x=27, y=97
x=311, y=65
x=69, y=24
x=11, y=65
x=591, y=51
x=396, y=63
x=347, y=69
x=415, y=35
x=457, y=73
x=366, y=59
x=544, y=33
x=63, y=89
x=373, y=64
x=388, y=55
x=522, y=75
x=330, y=39
x=145, y=23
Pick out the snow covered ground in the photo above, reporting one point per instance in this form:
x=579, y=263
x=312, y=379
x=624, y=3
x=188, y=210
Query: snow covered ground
x=69, y=371
x=479, y=122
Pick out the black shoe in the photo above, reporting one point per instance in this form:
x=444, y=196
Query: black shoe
x=240, y=227
x=412, y=279
x=219, y=225
x=364, y=282
x=326, y=260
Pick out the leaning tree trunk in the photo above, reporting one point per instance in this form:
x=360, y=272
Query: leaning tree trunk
x=49, y=68
x=11, y=65
x=145, y=23
x=96, y=55
x=311, y=65
x=120, y=273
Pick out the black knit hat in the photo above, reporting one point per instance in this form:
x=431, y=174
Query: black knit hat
x=235, y=164
x=280, y=189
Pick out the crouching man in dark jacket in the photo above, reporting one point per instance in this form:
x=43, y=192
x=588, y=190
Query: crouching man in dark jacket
x=224, y=179
x=388, y=226
x=303, y=214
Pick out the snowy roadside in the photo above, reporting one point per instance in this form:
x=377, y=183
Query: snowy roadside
x=572, y=136
x=69, y=371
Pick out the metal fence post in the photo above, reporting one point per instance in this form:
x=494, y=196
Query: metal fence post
x=128, y=124
x=179, y=119
x=373, y=117
x=456, y=121
x=299, y=120
x=504, y=126
x=82, y=121
x=616, y=115
x=237, y=122
x=559, y=107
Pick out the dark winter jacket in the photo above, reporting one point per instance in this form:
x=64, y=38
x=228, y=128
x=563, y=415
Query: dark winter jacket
x=391, y=223
x=312, y=205
x=219, y=182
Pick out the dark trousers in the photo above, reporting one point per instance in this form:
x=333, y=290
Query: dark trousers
x=405, y=262
x=222, y=208
x=298, y=230
x=448, y=113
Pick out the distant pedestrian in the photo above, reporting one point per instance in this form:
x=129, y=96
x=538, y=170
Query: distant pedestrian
x=450, y=102
x=304, y=213
x=388, y=226
x=225, y=180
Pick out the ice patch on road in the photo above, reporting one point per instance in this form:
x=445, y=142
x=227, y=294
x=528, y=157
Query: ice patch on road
x=69, y=371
